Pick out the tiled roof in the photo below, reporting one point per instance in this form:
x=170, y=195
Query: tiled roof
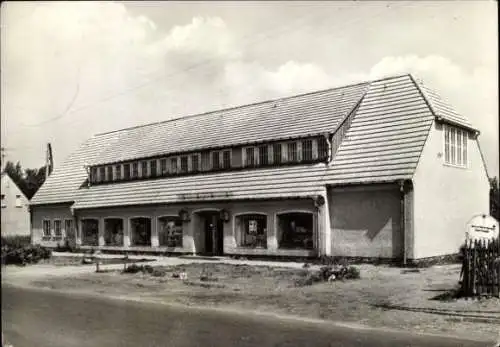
x=386, y=136
x=307, y=114
x=298, y=181
x=384, y=143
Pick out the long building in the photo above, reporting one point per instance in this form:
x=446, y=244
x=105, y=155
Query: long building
x=381, y=169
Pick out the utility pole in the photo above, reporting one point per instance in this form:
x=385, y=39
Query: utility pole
x=3, y=155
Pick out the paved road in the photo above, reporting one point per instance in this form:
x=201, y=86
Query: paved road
x=45, y=319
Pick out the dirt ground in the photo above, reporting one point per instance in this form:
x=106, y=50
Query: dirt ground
x=418, y=300
x=77, y=261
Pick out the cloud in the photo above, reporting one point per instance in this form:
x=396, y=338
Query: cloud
x=130, y=71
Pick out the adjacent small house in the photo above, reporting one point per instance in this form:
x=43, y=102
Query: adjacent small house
x=14, y=210
x=380, y=169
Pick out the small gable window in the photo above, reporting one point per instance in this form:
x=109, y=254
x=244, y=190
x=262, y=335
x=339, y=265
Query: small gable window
x=455, y=146
x=4, y=204
x=18, y=201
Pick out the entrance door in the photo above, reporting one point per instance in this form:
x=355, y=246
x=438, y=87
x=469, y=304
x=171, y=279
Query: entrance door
x=214, y=244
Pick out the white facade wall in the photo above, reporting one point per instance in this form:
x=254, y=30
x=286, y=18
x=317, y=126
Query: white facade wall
x=446, y=197
x=14, y=211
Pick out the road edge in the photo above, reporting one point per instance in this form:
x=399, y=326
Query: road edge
x=243, y=312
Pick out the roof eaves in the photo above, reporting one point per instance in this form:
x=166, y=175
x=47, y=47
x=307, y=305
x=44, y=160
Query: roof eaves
x=51, y=204
x=460, y=125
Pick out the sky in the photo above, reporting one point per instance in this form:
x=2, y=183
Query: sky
x=70, y=70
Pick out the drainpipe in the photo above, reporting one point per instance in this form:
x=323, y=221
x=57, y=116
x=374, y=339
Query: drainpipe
x=402, y=217
x=30, y=211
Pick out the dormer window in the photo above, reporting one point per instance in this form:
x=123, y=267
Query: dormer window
x=173, y=165
x=298, y=151
x=144, y=169
x=215, y=160
x=226, y=159
x=109, y=173
x=249, y=157
x=184, y=164
x=163, y=167
x=307, y=153
x=263, y=155
x=292, y=151
x=93, y=174
x=322, y=148
x=126, y=171
x=118, y=172
x=152, y=168
x=195, y=163
x=102, y=173
x=277, y=156
x=135, y=170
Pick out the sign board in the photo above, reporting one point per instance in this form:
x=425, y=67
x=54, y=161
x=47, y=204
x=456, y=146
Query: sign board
x=482, y=227
x=205, y=196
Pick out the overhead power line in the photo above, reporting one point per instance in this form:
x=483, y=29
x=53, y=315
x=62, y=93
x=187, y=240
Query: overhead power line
x=151, y=81
x=339, y=28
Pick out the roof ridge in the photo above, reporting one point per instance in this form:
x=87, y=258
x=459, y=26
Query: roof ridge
x=252, y=104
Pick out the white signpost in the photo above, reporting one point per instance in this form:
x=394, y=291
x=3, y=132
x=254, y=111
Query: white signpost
x=482, y=227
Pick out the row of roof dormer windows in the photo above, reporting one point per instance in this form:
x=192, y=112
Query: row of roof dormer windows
x=289, y=152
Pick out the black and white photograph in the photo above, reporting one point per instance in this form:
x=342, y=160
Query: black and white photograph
x=250, y=173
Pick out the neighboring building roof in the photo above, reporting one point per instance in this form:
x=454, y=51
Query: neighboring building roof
x=383, y=143
x=6, y=177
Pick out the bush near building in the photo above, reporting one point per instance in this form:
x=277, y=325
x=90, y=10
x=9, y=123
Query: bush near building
x=17, y=250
